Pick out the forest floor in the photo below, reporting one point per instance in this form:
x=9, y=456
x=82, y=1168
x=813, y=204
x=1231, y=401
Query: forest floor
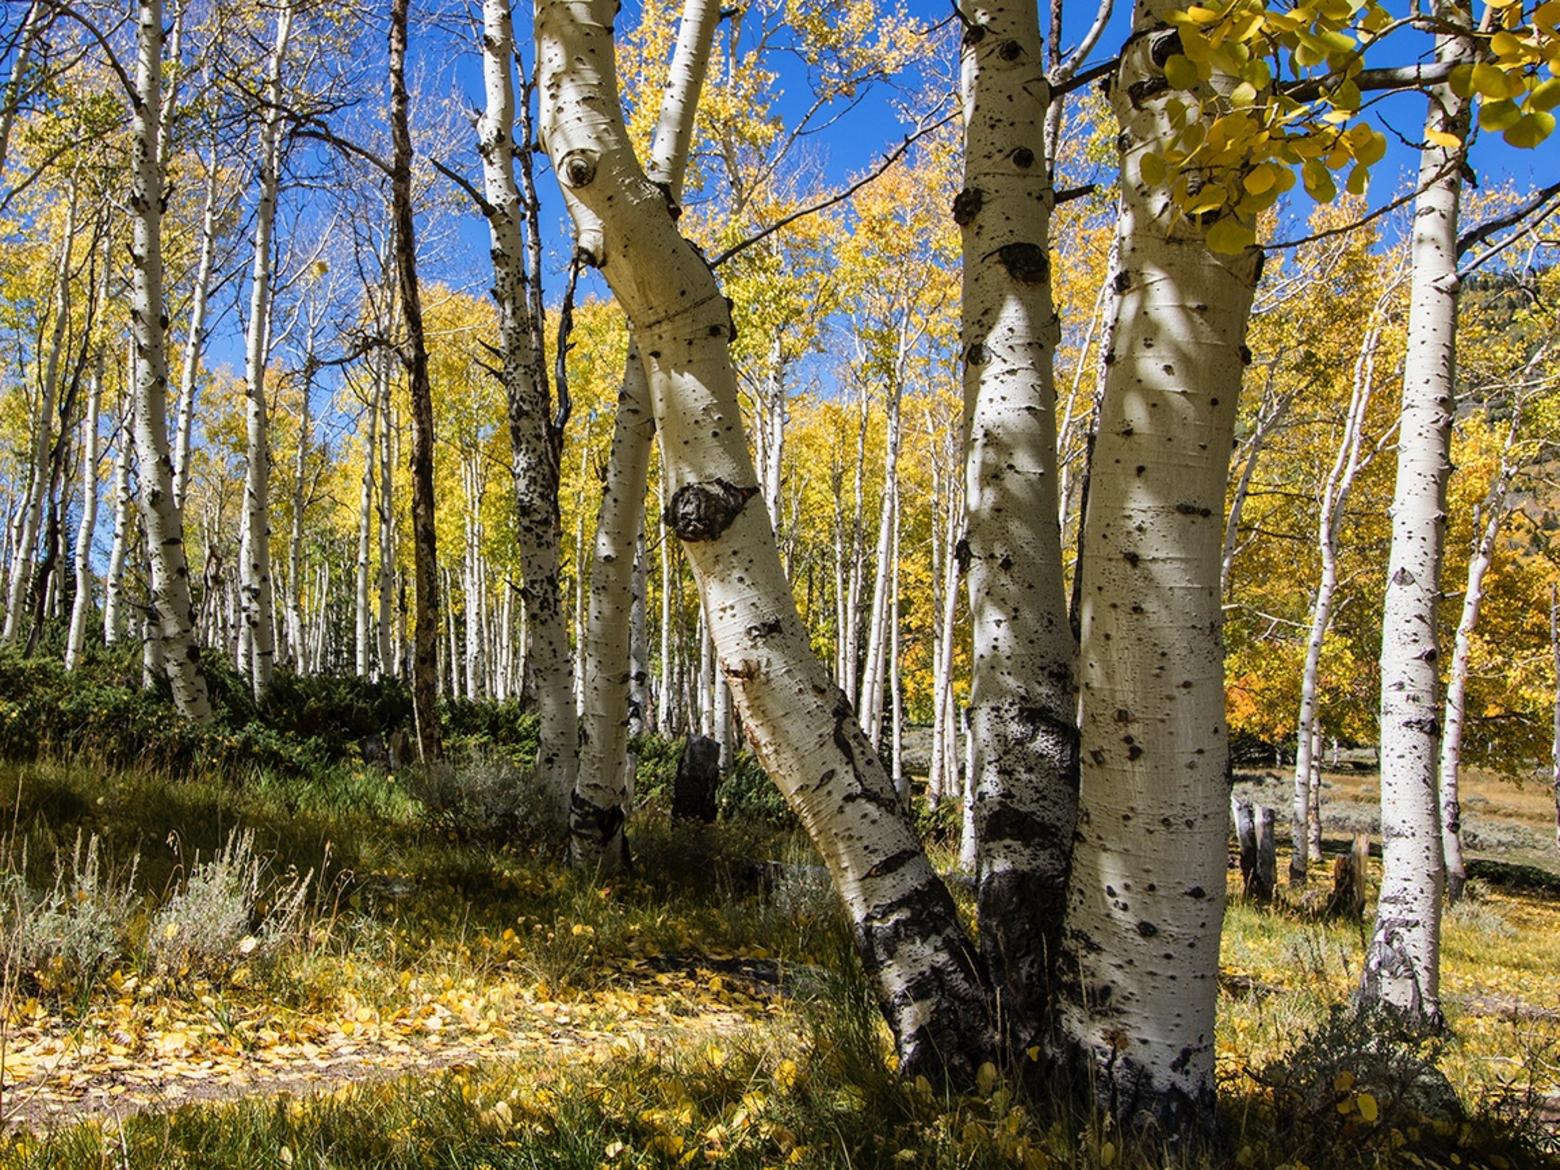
x=437, y=1001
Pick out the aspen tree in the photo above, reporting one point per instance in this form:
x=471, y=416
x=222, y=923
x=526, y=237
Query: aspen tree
x=42, y=435
x=533, y=443
x=1402, y=963
x=801, y=727
x=161, y=517
x=89, y=483
x=255, y=551
x=1346, y=466
x=599, y=805
x=1022, y=695
x=195, y=342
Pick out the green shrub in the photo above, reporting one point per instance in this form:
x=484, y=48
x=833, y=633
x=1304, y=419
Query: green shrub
x=487, y=797
x=748, y=794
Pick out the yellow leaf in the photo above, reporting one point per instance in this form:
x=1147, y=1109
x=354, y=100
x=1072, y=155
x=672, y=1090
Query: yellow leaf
x=1442, y=139
x=986, y=1078
x=284, y=1156
x=1367, y=1106
x=1498, y=115
x=1230, y=236
x=1343, y=1082
x=1180, y=72
x=1530, y=130
x=1243, y=95
x=1493, y=82
x=1546, y=95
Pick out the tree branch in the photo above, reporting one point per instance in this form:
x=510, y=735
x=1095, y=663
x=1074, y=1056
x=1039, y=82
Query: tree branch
x=1500, y=223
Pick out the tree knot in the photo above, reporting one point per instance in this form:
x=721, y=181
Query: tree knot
x=702, y=511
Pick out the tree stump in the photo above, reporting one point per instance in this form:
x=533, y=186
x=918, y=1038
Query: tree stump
x=698, y=775
x=1347, y=899
x=1258, y=860
x=1246, y=838
x=1266, y=880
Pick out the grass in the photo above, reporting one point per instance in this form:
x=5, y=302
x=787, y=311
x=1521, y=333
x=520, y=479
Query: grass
x=692, y=1013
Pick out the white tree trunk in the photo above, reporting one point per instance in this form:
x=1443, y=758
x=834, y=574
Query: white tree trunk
x=873, y=671
x=114, y=581
x=89, y=497
x=255, y=554
x=364, y=655
x=1334, y=500
x=532, y=443
x=1554, y=753
x=1023, y=702
x=1492, y=513
x=1402, y=962
x=802, y=730
x=170, y=578
x=1139, y=974
x=42, y=435
x=195, y=343
x=389, y=658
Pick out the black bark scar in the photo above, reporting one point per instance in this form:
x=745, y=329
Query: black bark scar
x=703, y=511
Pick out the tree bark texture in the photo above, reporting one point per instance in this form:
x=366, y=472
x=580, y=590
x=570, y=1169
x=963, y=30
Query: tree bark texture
x=926, y=976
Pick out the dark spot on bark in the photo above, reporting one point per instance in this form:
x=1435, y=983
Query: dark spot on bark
x=703, y=511
x=1122, y=281
x=1025, y=263
x=974, y=34
x=764, y=629
x=1135, y=751
x=1097, y=756
x=578, y=169
x=1165, y=46
x=1131, y=558
x=1245, y=354
x=1023, y=158
x=1140, y=91
x=1123, y=715
x=967, y=204
x=1197, y=892
x=1010, y=50
x=976, y=355
x=961, y=554
x=1147, y=929
x=1402, y=577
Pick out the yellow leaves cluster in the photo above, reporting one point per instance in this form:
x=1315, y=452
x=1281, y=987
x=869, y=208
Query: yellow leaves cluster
x=1239, y=140
x=1516, y=100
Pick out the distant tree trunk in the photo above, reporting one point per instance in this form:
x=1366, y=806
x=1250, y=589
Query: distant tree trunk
x=873, y=671
x=1492, y=513
x=389, y=657
x=170, y=578
x=89, y=492
x=1334, y=500
x=294, y=591
x=366, y=531
x=195, y=342
x=10, y=100
x=42, y=435
x=114, y=580
x=255, y=555
x=801, y=728
x=1403, y=960
x=414, y=356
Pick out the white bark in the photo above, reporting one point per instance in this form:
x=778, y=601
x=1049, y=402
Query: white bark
x=533, y=445
x=42, y=435
x=89, y=494
x=195, y=343
x=114, y=582
x=389, y=658
x=1554, y=753
x=800, y=727
x=1331, y=508
x=1402, y=962
x=170, y=578
x=1139, y=974
x=255, y=553
x=1488, y=517
x=10, y=102
x=873, y=671
x=1022, y=696
x=363, y=620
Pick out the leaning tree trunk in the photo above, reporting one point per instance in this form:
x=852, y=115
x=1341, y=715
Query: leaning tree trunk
x=1022, y=695
x=801, y=727
x=1402, y=962
x=414, y=356
x=599, y=806
x=1146, y=897
x=254, y=559
x=534, y=451
x=164, y=524
x=38, y=473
